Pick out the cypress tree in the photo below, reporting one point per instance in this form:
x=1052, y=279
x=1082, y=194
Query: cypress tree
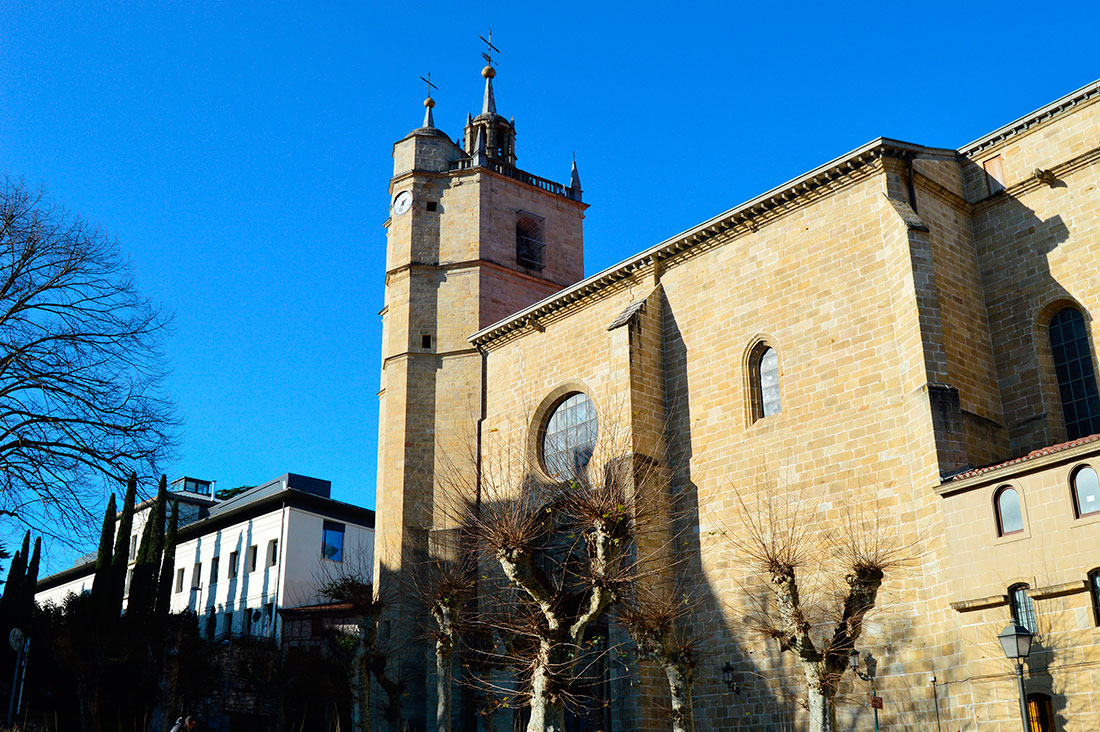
x=11, y=591
x=160, y=506
x=121, y=559
x=146, y=567
x=32, y=568
x=101, y=583
x=164, y=587
x=143, y=584
x=27, y=609
x=17, y=572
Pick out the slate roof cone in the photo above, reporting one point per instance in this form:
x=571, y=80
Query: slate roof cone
x=429, y=121
x=575, y=182
x=488, y=103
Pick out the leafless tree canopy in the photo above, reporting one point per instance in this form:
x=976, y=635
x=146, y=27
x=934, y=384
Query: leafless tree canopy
x=80, y=366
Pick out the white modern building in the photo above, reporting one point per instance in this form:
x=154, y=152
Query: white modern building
x=241, y=560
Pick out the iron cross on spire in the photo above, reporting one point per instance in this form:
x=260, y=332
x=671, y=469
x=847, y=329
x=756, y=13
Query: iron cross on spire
x=488, y=53
x=428, y=81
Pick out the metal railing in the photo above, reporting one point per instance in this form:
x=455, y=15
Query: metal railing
x=516, y=174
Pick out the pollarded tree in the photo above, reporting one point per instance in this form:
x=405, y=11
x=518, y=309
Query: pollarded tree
x=80, y=366
x=444, y=585
x=564, y=549
x=656, y=623
x=815, y=583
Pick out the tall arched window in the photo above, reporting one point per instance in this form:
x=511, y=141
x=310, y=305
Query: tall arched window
x=1069, y=346
x=764, y=382
x=1086, y=491
x=1010, y=517
x=1023, y=610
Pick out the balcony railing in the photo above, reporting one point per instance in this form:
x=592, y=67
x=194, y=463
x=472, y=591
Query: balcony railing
x=516, y=174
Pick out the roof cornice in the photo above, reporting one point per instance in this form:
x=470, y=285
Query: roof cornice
x=791, y=192
x=1025, y=123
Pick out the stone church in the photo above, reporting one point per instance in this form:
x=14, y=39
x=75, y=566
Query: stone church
x=905, y=326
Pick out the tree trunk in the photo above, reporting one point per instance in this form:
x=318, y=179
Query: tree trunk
x=87, y=688
x=444, y=667
x=547, y=711
x=821, y=701
x=360, y=680
x=166, y=683
x=679, y=685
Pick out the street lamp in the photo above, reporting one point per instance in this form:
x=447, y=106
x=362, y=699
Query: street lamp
x=729, y=675
x=1016, y=641
x=853, y=666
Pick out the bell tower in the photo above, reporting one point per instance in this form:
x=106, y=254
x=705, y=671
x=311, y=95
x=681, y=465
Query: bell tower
x=470, y=239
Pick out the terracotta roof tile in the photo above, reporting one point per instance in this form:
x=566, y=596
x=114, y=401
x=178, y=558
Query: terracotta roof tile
x=1049, y=450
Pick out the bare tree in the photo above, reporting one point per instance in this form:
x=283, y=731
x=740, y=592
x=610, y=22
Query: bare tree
x=563, y=549
x=367, y=651
x=80, y=366
x=349, y=583
x=444, y=585
x=815, y=583
x=655, y=622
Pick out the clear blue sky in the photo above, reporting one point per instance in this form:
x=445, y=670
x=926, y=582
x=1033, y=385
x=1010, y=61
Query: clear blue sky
x=240, y=154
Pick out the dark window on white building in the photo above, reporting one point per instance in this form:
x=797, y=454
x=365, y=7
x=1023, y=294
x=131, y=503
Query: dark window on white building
x=332, y=541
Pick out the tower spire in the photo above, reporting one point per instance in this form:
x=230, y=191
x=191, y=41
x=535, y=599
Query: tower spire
x=575, y=181
x=488, y=103
x=429, y=121
x=498, y=135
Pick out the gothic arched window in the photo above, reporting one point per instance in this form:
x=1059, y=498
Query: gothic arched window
x=1010, y=517
x=764, y=382
x=1086, y=491
x=1069, y=346
x=569, y=438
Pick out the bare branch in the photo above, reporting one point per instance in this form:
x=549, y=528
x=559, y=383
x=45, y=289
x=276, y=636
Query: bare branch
x=80, y=366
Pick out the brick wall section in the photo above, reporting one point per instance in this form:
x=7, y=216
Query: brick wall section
x=1032, y=240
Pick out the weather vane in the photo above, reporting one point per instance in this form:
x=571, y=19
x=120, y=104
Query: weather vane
x=488, y=53
x=428, y=81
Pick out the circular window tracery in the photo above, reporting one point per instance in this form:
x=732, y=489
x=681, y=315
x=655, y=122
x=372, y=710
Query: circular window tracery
x=569, y=438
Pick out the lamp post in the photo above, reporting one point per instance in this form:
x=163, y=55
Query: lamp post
x=1016, y=641
x=729, y=675
x=853, y=665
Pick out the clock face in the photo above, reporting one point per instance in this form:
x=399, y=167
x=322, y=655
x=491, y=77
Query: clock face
x=402, y=203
